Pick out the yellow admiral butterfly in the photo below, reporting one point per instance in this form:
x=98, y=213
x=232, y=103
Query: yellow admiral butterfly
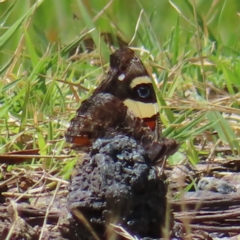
x=124, y=103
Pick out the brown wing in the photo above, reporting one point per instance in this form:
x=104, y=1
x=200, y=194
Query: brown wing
x=96, y=117
x=103, y=116
x=129, y=81
x=124, y=103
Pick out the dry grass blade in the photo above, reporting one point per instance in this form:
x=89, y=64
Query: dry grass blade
x=122, y=232
x=84, y=221
x=48, y=210
x=11, y=231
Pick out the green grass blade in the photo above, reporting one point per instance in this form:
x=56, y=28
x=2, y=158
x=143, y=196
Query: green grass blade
x=4, y=17
x=224, y=130
x=31, y=49
x=9, y=33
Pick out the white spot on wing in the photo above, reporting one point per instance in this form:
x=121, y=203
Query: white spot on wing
x=121, y=77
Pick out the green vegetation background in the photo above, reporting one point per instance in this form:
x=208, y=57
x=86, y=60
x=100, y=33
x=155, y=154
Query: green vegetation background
x=191, y=48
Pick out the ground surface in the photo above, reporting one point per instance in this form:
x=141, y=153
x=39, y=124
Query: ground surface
x=30, y=211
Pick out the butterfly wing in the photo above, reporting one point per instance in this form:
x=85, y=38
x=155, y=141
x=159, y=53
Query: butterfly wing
x=96, y=117
x=124, y=103
x=129, y=81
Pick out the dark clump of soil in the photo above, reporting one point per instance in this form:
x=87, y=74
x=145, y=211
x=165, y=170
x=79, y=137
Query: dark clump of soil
x=115, y=184
x=114, y=190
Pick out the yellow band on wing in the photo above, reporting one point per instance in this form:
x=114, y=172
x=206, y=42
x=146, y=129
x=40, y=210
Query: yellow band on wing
x=141, y=109
x=140, y=80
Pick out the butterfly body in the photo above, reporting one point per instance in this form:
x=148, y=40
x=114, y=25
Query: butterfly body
x=124, y=103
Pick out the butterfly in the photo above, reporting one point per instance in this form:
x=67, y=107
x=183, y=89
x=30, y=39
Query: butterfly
x=124, y=103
